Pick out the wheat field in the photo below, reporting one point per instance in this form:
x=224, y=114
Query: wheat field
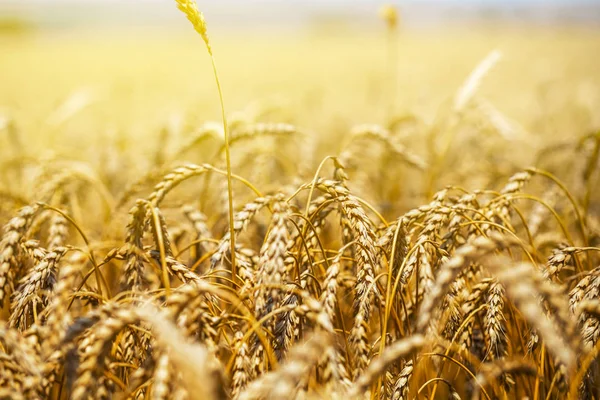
x=330, y=215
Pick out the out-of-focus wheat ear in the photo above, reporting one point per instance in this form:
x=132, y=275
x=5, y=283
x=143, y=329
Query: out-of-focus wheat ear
x=409, y=219
x=75, y=355
x=9, y=246
x=311, y=309
x=137, y=186
x=198, y=322
x=272, y=260
x=200, y=371
x=379, y=133
x=561, y=375
x=242, y=366
x=334, y=373
x=524, y=284
x=498, y=209
x=176, y=232
x=540, y=212
x=139, y=377
x=105, y=388
x=515, y=184
x=465, y=255
x=400, y=349
x=162, y=377
x=282, y=383
x=478, y=342
x=58, y=315
x=187, y=295
x=259, y=130
x=180, y=393
x=489, y=372
x=93, y=361
x=207, y=130
x=17, y=349
x=556, y=301
x=51, y=184
x=58, y=232
x=589, y=306
x=473, y=81
x=32, y=337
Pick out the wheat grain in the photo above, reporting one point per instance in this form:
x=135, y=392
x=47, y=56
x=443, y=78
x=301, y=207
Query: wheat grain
x=401, y=348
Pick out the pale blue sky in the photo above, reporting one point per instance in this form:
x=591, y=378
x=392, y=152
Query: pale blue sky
x=232, y=14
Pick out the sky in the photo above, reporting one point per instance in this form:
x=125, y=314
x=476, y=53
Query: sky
x=62, y=14
x=334, y=2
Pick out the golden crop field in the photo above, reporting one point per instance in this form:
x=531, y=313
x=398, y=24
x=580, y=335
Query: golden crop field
x=377, y=214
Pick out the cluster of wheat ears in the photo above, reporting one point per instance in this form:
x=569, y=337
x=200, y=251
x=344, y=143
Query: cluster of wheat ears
x=306, y=291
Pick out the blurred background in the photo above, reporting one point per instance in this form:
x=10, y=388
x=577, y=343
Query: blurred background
x=125, y=85
x=294, y=14
x=96, y=72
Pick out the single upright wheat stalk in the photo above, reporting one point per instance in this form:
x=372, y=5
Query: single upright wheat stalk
x=190, y=9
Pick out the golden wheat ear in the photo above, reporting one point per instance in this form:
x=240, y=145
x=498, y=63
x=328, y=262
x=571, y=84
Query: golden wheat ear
x=200, y=372
x=190, y=9
x=196, y=17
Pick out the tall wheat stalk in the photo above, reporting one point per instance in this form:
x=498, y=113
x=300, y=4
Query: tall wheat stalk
x=190, y=9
